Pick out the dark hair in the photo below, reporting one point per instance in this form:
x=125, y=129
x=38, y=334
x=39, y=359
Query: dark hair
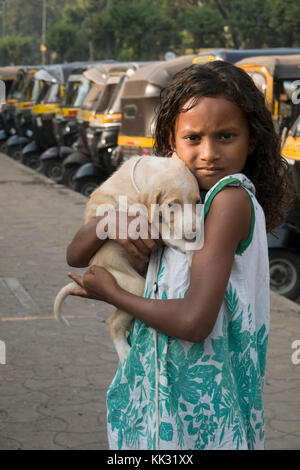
x=266, y=168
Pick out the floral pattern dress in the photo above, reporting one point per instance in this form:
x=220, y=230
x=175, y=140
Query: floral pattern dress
x=174, y=394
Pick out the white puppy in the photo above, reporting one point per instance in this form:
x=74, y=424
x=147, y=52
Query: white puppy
x=151, y=183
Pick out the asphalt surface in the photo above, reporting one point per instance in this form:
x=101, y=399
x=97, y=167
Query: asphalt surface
x=54, y=380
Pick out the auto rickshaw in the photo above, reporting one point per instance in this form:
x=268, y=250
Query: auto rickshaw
x=8, y=109
x=7, y=76
x=72, y=158
x=102, y=133
x=275, y=77
x=22, y=115
x=54, y=79
x=65, y=124
x=235, y=55
x=138, y=103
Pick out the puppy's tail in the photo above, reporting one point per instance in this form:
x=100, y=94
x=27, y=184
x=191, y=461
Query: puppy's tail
x=59, y=299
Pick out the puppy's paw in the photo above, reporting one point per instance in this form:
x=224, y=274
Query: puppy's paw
x=122, y=348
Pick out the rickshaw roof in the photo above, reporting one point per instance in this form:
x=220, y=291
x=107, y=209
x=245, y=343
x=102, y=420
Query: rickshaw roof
x=98, y=74
x=55, y=73
x=9, y=72
x=278, y=66
x=158, y=74
x=81, y=67
x=127, y=66
x=234, y=55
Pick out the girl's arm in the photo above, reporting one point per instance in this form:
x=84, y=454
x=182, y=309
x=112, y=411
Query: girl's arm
x=193, y=317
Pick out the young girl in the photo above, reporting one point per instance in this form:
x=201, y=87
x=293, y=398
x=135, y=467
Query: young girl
x=195, y=372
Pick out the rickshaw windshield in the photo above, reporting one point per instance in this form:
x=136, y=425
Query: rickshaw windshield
x=286, y=88
x=30, y=89
x=49, y=93
x=110, y=95
x=92, y=96
x=16, y=88
x=259, y=80
x=76, y=91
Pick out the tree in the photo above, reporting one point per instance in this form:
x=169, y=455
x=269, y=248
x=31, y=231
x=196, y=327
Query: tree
x=285, y=20
x=14, y=50
x=206, y=27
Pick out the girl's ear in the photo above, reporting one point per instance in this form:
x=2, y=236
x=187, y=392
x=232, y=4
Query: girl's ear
x=252, y=145
x=172, y=142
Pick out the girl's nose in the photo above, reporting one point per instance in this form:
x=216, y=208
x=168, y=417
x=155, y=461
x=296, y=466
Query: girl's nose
x=208, y=151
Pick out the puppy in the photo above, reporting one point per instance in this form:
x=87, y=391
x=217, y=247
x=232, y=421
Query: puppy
x=147, y=184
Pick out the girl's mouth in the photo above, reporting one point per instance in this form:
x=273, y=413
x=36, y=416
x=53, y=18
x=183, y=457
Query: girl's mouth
x=209, y=171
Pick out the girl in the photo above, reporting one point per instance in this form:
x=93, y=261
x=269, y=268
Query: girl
x=195, y=372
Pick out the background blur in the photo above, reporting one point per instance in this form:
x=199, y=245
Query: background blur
x=69, y=30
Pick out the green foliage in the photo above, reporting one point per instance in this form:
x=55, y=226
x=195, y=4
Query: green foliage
x=143, y=29
x=13, y=50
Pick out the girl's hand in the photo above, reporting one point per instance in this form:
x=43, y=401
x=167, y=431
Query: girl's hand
x=96, y=283
x=139, y=243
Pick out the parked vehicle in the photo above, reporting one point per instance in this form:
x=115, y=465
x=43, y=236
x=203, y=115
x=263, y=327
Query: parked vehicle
x=65, y=124
x=80, y=151
x=7, y=76
x=7, y=110
x=140, y=98
x=22, y=115
x=275, y=76
x=102, y=132
x=54, y=79
x=235, y=55
x=284, y=248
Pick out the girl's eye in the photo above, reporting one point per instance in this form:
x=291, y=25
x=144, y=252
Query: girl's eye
x=227, y=136
x=192, y=138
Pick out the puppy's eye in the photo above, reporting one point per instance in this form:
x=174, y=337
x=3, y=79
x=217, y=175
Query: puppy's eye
x=198, y=201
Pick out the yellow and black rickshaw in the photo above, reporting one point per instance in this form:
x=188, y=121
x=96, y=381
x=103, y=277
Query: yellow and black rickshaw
x=275, y=76
x=79, y=154
x=65, y=123
x=102, y=133
x=284, y=245
x=54, y=79
x=140, y=98
x=7, y=77
x=22, y=115
x=8, y=109
x=235, y=55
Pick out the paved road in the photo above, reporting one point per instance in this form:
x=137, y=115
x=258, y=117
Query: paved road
x=53, y=385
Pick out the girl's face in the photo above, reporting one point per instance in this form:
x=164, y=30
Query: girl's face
x=212, y=138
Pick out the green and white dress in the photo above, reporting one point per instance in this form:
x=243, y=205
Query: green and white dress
x=173, y=394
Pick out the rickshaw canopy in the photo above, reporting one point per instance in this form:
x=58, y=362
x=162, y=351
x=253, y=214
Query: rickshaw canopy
x=157, y=74
x=9, y=72
x=278, y=66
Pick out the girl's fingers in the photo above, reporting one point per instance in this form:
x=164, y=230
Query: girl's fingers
x=78, y=292
x=77, y=278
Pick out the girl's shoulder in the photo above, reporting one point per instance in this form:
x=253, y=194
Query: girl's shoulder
x=239, y=180
x=235, y=180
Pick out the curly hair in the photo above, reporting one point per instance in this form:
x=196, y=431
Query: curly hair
x=265, y=168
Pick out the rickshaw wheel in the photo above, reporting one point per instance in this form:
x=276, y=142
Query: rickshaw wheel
x=68, y=174
x=285, y=273
x=86, y=185
x=52, y=169
x=16, y=154
x=33, y=161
